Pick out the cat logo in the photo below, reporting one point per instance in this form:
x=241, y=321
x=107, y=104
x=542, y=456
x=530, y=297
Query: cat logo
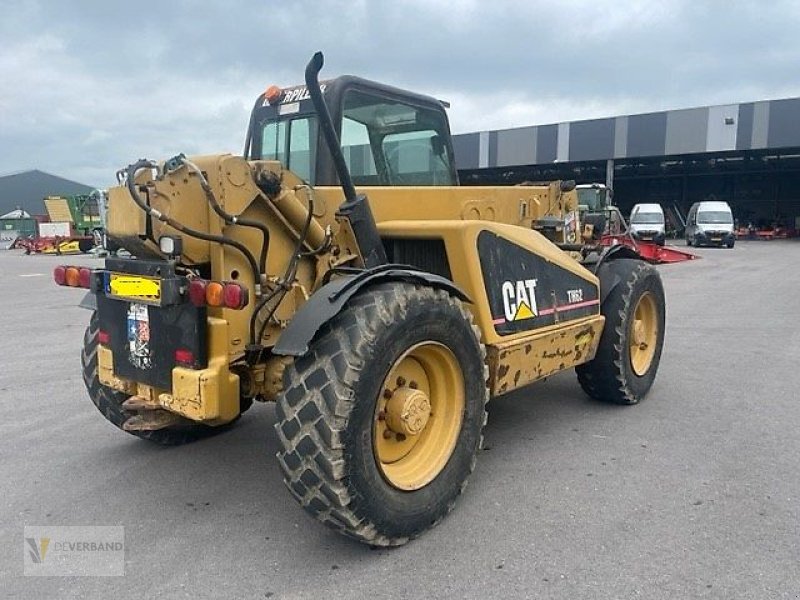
x=519, y=300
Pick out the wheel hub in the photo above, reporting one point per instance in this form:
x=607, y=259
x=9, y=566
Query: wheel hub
x=408, y=411
x=639, y=334
x=418, y=415
x=643, y=334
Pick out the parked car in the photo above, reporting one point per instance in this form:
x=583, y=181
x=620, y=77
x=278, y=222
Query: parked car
x=710, y=223
x=647, y=223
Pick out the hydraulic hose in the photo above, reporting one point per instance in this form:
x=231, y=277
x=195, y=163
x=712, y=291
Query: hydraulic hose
x=130, y=173
x=288, y=277
x=232, y=219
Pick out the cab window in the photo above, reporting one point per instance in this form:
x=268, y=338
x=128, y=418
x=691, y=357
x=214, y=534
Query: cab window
x=387, y=142
x=292, y=143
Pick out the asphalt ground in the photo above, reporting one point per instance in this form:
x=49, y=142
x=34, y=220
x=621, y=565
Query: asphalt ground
x=692, y=494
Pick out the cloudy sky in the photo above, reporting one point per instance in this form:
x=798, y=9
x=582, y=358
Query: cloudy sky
x=89, y=86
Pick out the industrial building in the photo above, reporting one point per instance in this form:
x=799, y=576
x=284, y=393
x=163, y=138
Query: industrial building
x=26, y=190
x=746, y=154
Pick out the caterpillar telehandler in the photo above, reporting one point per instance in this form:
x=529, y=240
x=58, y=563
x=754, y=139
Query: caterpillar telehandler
x=338, y=269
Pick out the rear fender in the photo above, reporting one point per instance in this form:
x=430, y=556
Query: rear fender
x=329, y=300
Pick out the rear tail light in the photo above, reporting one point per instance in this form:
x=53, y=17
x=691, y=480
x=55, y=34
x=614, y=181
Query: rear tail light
x=103, y=337
x=235, y=296
x=84, y=277
x=72, y=276
x=197, y=292
x=213, y=293
x=184, y=356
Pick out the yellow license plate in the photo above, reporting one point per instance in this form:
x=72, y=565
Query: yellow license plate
x=133, y=286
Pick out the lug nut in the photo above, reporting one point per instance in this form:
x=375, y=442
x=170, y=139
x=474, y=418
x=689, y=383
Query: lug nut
x=413, y=385
x=382, y=415
x=401, y=437
x=401, y=381
x=387, y=393
x=387, y=434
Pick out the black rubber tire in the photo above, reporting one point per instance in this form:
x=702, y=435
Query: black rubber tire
x=609, y=377
x=325, y=414
x=689, y=242
x=109, y=402
x=729, y=244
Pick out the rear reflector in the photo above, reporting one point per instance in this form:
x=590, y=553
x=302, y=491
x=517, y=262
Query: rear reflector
x=184, y=356
x=103, y=337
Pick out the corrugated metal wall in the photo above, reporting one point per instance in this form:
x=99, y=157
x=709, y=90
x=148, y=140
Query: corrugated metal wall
x=753, y=125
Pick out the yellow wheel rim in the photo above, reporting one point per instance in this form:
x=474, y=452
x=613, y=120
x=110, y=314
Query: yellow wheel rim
x=644, y=334
x=418, y=416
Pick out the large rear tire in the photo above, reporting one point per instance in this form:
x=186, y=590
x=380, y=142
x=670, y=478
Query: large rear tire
x=380, y=423
x=109, y=402
x=629, y=350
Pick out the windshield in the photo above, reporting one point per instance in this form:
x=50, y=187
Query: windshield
x=592, y=198
x=717, y=217
x=647, y=217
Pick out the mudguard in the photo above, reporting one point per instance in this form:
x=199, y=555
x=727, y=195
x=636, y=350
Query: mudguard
x=89, y=301
x=329, y=300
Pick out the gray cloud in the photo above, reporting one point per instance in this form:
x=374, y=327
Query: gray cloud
x=90, y=86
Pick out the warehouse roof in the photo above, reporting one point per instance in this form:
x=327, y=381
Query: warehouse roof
x=27, y=189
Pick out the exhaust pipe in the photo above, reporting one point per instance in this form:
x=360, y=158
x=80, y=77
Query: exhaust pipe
x=355, y=211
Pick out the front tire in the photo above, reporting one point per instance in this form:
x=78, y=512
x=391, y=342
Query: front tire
x=629, y=350
x=380, y=423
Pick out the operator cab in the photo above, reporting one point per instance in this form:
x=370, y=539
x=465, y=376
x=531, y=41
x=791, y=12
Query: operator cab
x=389, y=137
x=597, y=210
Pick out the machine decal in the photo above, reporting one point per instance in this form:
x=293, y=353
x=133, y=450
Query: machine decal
x=139, y=336
x=526, y=291
x=296, y=94
x=519, y=300
x=575, y=296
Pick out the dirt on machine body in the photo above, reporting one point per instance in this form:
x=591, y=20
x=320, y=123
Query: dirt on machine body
x=338, y=269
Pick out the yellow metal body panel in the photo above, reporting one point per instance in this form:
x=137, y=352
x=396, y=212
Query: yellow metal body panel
x=209, y=395
x=512, y=205
x=105, y=372
x=519, y=362
x=460, y=239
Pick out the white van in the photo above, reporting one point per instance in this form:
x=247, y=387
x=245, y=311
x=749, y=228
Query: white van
x=647, y=223
x=710, y=223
